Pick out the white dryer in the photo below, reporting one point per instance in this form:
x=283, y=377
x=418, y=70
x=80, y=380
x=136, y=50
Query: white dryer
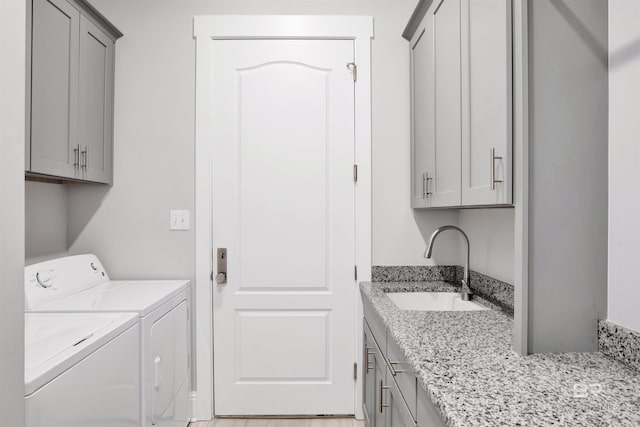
x=80, y=284
x=81, y=370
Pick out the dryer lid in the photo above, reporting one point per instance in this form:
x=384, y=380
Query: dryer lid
x=140, y=296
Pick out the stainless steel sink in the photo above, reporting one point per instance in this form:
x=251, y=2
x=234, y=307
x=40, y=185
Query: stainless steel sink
x=433, y=301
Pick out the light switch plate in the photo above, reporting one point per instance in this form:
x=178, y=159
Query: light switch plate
x=179, y=220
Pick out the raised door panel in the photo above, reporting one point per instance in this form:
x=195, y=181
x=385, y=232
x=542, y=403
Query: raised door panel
x=54, y=88
x=486, y=97
x=445, y=161
x=96, y=103
x=422, y=114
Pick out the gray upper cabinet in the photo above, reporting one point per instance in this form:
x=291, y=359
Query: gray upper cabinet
x=422, y=132
x=435, y=112
x=461, y=103
x=72, y=81
x=54, y=88
x=487, y=102
x=96, y=103
x=444, y=160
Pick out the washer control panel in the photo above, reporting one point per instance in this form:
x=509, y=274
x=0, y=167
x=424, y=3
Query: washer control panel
x=44, y=278
x=48, y=281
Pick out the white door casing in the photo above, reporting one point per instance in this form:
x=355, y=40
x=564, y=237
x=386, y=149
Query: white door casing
x=359, y=31
x=283, y=186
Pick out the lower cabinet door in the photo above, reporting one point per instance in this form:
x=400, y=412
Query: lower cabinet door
x=398, y=414
x=428, y=414
x=369, y=383
x=380, y=392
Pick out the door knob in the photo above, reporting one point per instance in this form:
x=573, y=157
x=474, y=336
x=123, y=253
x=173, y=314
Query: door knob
x=221, y=277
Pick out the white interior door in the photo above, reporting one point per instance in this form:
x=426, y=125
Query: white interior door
x=283, y=206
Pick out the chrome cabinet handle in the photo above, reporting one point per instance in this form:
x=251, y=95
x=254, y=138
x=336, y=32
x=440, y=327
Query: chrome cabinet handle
x=76, y=157
x=424, y=185
x=368, y=352
x=382, y=404
x=427, y=193
x=393, y=369
x=493, y=168
x=84, y=157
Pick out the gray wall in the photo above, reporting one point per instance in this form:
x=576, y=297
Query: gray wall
x=154, y=145
x=568, y=173
x=45, y=221
x=127, y=225
x=490, y=233
x=12, y=135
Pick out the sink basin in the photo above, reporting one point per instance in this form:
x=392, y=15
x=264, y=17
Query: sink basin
x=433, y=301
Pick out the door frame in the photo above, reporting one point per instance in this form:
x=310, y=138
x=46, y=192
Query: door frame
x=237, y=27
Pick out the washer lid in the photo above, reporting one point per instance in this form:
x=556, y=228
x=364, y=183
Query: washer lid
x=54, y=342
x=140, y=296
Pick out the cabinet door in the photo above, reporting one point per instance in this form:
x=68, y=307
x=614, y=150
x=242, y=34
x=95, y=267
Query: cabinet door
x=428, y=414
x=379, y=419
x=398, y=414
x=96, y=103
x=444, y=161
x=54, y=88
x=486, y=97
x=422, y=117
x=369, y=383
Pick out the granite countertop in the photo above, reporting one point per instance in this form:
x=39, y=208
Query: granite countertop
x=465, y=363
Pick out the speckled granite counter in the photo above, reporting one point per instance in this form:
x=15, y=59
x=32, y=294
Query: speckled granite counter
x=465, y=363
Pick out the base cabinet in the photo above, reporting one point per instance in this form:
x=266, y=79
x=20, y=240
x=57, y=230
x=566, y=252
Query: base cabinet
x=428, y=415
x=397, y=412
x=391, y=395
x=369, y=365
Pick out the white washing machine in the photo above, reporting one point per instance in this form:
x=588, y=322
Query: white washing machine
x=82, y=370
x=80, y=284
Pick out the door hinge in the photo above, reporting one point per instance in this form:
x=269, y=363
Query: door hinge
x=355, y=272
x=355, y=371
x=355, y=173
x=354, y=70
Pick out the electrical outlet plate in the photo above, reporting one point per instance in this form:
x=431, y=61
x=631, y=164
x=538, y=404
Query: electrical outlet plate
x=179, y=220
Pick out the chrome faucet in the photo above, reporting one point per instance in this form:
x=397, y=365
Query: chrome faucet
x=465, y=292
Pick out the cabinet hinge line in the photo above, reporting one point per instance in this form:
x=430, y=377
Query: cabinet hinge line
x=355, y=173
x=354, y=70
x=355, y=371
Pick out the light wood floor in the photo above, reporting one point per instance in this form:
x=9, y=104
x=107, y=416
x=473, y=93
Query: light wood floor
x=270, y=422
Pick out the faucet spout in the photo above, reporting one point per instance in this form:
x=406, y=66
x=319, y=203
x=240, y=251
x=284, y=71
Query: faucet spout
x=466, y=291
